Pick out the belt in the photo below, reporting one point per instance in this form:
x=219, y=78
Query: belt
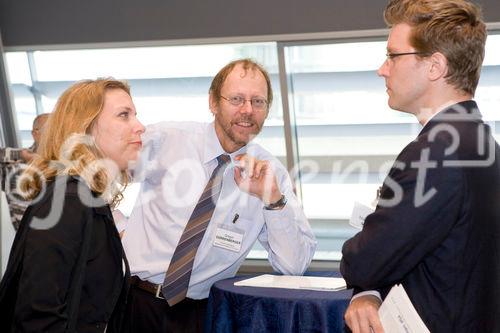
x=151, y=288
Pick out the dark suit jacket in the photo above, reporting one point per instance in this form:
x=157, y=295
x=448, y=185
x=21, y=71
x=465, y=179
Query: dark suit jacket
x=39, y=284
x=445, y=250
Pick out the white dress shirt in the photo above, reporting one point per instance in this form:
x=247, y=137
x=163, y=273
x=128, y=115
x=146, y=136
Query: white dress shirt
x=175, y=165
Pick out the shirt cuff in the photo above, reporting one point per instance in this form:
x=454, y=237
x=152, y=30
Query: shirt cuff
x=367, y=293
x=278, y=219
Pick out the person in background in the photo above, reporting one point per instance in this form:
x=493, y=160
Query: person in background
x=12, y=164
x=36, y=132
x=11, y=155
x=207, y=195
x=67, y=270
x=436, y=229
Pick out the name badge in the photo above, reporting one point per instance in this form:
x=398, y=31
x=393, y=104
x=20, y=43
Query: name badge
x=229, y=239
x=359, y=214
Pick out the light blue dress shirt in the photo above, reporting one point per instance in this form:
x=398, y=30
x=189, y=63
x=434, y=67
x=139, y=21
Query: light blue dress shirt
x=175, y=165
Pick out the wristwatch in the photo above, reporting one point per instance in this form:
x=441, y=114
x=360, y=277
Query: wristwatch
x=278, y=204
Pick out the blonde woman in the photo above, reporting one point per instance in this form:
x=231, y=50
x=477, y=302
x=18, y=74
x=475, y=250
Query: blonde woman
x=67, y=270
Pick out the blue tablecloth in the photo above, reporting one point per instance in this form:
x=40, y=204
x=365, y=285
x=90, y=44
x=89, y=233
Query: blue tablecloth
x=234, y=309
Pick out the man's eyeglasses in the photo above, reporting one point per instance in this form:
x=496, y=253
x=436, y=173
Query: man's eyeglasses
x=391, y=55
x=257, y=103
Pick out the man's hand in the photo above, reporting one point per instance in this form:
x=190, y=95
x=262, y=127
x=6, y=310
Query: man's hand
x=257, y=177
x=362, y=315
x=27, y=155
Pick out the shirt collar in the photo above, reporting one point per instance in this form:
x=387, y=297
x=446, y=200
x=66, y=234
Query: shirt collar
x=467, y=110
x=459, y=112
x=428, y=120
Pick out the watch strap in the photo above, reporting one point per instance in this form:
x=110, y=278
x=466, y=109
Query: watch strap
x=278, y=204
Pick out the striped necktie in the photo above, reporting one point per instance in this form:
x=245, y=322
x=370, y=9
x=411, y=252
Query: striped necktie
x=176, y=281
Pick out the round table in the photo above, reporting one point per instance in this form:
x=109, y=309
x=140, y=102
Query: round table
x=234, y=309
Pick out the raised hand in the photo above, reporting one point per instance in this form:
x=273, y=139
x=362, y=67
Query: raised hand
x=257, y=178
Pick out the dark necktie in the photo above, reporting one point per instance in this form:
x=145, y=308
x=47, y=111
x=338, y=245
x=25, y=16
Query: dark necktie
x=176, y=281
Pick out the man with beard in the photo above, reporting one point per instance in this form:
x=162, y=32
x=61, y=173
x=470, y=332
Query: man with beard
x=207, y=194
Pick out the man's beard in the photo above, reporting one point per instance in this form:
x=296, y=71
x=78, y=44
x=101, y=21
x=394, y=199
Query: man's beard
x=233, y=136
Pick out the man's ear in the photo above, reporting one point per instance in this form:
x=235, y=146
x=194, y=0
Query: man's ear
x=439, y=66
x=213, y=103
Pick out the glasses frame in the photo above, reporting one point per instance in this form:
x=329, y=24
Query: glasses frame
x=243, y=101
x=392, y=55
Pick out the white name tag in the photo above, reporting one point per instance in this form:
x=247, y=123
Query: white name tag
x=228, y=239
x=359, y=214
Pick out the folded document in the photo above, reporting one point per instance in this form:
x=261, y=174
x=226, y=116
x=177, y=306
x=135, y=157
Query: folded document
x=397, y=313
x=294, y=282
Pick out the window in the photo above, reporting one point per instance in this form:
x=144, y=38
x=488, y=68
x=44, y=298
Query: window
x=167, y=83
x=24, y=100
x=346, y=135
x=489, y=85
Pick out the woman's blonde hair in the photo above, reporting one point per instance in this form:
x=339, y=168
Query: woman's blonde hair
x=67, y=147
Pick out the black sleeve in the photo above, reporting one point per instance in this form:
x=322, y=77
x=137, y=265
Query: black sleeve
x=395, y=239
x=50, y=258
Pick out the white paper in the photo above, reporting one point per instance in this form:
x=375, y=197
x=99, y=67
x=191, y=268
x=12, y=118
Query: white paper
x=398, y=314
x=359, y=213
x=294, y=282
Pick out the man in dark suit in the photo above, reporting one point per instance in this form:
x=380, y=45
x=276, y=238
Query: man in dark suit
x=436, y=227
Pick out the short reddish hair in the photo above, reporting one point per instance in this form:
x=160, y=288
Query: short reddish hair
x=452, y=27
x=247, y=64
